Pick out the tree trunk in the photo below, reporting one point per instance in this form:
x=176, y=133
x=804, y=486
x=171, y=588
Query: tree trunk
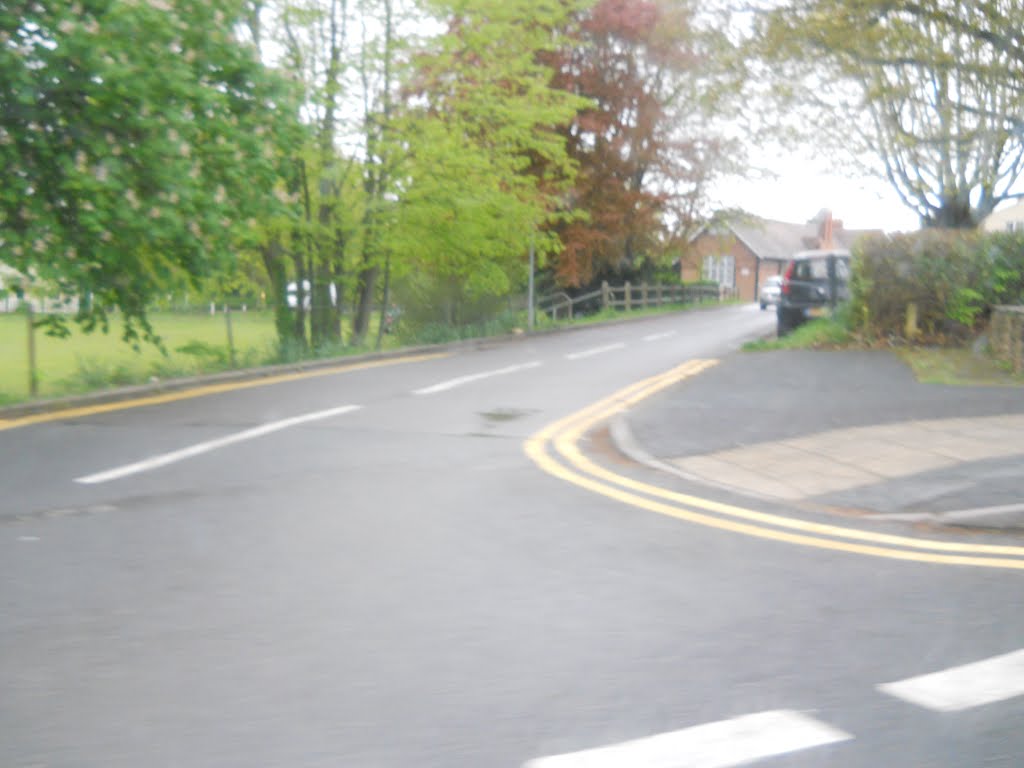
x=274, y=262
x=385, y=302
x=364, y=307
x=952, y=214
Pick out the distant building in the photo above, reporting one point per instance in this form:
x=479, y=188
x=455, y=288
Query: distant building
x=1010, y=219
x=740, y=253
x=13, y=283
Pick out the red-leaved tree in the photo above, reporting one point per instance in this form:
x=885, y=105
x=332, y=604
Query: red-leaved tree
x=644, y=149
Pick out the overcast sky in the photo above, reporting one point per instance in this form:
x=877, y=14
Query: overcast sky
x=802, y=189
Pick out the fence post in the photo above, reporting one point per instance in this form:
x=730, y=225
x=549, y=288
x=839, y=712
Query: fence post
x=643, y=294
x=629, y=297
x=605, y=298
x=33, y=375
x=231, y=336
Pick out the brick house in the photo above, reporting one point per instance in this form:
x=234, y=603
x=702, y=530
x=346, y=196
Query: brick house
x=739, y=254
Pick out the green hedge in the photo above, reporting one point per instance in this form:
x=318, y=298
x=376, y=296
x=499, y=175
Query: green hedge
x=953, y=278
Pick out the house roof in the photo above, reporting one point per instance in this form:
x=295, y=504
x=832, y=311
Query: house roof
x=778, y=240
x=1006, y=218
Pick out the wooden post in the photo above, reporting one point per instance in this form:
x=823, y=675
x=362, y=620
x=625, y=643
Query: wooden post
x=629, y=297
x=643, y=294
x=910, y=329
x=1016, y=342
x=605, y=298
x=33, y=375
x=231, y=336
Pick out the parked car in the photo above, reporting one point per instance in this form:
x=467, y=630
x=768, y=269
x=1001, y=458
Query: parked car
x=769, y=293
x=812, y=285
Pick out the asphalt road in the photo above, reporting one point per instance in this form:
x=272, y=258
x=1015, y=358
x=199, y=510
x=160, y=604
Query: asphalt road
x=365, y=569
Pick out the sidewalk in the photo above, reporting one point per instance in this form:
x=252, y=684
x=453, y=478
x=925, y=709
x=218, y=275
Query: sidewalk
x=849, y=432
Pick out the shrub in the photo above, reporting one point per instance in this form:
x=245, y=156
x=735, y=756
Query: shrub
x=952, y=277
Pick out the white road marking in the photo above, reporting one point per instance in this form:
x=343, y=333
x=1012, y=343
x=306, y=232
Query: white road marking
x=164, y=459
x=963, y=687
x=452, y=383
x=594, y=351
x=658, y=336
x=713, y=745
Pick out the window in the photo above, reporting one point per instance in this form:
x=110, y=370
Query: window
x=721, y=270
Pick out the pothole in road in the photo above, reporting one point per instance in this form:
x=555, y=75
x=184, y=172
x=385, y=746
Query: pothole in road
x=500, y=415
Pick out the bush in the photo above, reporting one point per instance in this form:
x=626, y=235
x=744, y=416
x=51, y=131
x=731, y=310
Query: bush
x=954, y=278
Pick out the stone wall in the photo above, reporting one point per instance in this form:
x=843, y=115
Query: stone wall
x=1006, y=336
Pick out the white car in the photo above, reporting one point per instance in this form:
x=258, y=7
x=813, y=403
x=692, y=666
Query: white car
x=770, y=291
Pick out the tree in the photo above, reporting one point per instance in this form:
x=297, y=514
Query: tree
x=647, y=148
x=137, y=140
x=930, y=88
x=484, y=165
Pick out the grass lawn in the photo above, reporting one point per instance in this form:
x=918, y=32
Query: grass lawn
x=85, y=362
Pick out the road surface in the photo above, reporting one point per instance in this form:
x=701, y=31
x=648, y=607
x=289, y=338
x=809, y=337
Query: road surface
x=365, y=568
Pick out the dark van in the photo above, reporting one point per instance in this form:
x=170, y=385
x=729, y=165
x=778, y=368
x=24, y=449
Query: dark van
x=812, y=285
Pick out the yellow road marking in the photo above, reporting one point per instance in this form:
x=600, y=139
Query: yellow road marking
x=563, y=435
x=205, y=390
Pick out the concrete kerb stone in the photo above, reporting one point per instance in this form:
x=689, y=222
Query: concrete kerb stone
x=823, y=475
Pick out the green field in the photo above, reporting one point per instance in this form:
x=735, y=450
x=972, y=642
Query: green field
x=85, y=362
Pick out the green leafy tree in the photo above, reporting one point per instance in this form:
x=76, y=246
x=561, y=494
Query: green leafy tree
x=137, y=140
x=485, y=167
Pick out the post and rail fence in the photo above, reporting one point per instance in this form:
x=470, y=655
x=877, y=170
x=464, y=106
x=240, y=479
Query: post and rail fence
x=629, y=297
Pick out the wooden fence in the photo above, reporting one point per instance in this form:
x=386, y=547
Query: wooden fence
x=629, y=297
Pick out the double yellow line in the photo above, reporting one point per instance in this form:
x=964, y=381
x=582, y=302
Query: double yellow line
x=555, y=450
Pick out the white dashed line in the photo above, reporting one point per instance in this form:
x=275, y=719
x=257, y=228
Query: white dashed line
x=964, y=687
x=659, y=336
x=164, y=459
x=452, y=383
x=594, y=351
x=715, y=745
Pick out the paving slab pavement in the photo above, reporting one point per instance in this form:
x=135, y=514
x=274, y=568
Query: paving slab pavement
x=849, y=431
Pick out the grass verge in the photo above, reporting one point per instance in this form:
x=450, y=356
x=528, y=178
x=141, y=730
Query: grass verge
x=952, y=366
x=958, y=367
x=825, y=333
x=194, y=344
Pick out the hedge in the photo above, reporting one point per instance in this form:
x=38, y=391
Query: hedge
x=952, y=279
